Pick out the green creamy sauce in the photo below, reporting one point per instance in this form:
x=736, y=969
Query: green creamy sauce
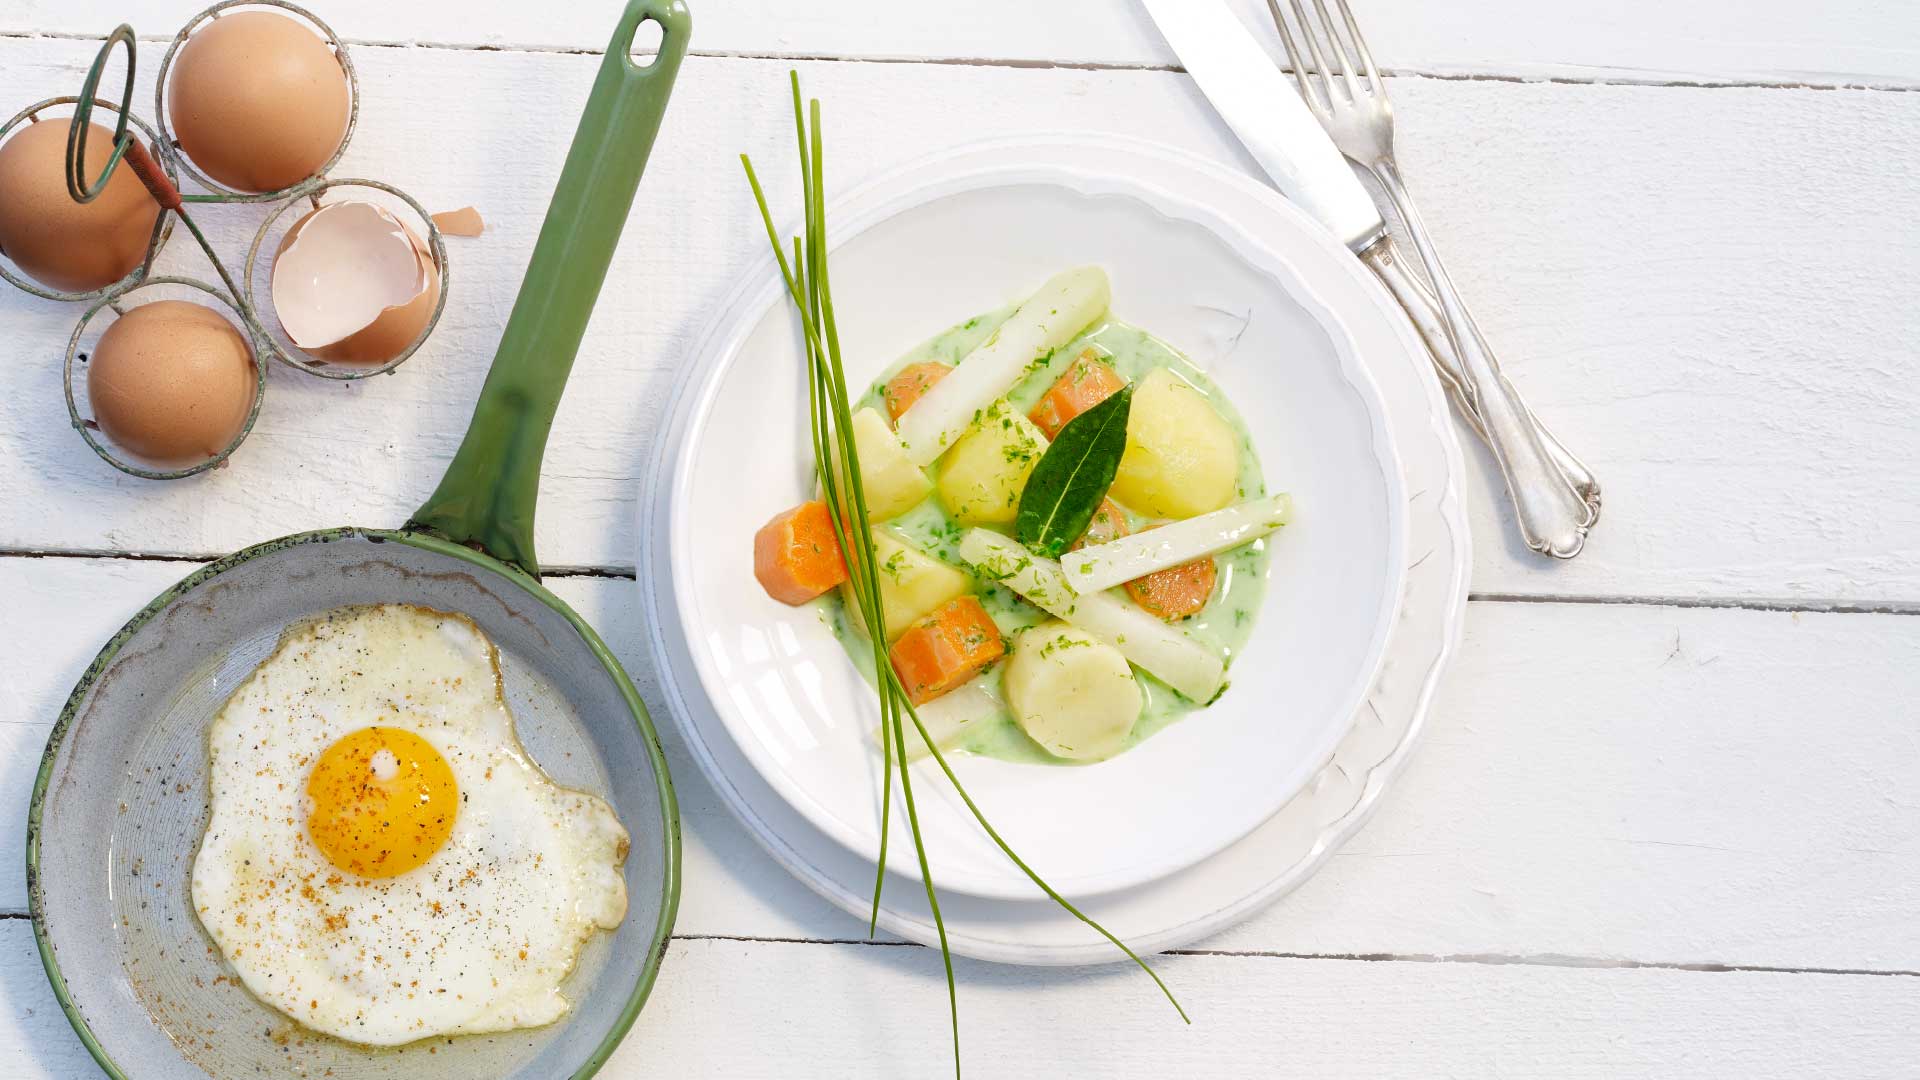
x=1224, y=624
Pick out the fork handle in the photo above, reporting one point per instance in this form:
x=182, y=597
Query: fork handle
x=1552, y=515
x=1389, y=264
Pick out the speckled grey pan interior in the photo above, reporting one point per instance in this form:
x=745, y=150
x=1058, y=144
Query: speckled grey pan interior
x=122, y=801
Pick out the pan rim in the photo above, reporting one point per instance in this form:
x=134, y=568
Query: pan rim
x=669, y=805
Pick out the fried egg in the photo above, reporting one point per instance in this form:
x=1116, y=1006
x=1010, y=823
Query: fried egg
x=382, y=861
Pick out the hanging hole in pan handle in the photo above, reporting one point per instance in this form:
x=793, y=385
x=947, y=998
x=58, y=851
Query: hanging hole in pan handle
x=646, y=43
x=647, y=26
x=81, y=191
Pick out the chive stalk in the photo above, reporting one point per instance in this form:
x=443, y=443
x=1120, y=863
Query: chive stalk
x=837, y=461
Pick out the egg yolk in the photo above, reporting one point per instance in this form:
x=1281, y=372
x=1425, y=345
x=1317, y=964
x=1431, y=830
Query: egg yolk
x=381, y=801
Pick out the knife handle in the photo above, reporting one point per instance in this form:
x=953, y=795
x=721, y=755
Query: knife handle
x=1553, y=516
x=1384, y=257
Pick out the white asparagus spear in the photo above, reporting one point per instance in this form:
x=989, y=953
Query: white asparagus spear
x=1099, y=567
x=1178, y=660
x=949, y=717
x=1050, y=318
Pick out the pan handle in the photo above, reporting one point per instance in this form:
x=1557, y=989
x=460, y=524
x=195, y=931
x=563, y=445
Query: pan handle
x=486, y=499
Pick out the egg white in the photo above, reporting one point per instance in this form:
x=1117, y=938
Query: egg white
x=477, y=939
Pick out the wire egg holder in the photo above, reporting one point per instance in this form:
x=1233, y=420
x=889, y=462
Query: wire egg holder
x=159, y=170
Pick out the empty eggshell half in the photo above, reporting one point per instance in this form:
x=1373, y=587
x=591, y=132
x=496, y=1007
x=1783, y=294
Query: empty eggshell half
x=353, y=284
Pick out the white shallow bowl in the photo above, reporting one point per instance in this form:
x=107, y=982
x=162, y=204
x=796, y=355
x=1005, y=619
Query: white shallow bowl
x=927, y=247
x=1288, y=847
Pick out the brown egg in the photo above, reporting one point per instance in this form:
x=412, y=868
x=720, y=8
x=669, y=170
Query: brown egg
x=257, y=100
x=358, y=288
x=60, y=243
x=171, y=383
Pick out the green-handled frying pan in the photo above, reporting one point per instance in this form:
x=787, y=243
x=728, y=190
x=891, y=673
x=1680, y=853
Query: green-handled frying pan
x=120, y=801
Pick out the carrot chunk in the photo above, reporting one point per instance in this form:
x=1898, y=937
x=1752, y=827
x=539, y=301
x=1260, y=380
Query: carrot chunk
x=946, y=648
x=907, y=387
x=795, y=556
x=1088, y=381
x=1176, y=592
x=1109, y=523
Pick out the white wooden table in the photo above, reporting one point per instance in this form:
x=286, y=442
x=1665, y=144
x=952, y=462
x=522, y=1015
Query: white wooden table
x=1666, y=819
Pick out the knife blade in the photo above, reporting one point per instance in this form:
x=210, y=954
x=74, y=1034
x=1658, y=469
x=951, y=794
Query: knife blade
x=1253, y=96
x=1251, y=93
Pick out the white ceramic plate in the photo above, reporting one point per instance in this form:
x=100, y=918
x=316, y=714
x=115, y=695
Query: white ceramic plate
x=1287, y=848
x=930, y=246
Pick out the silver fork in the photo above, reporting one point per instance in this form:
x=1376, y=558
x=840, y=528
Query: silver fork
x=1553, y=509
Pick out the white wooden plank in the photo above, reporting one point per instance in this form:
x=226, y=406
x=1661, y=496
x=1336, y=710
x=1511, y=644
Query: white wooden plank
x=1609, y=782
x=1872, y=42
x=35, y=1039
x=881, y=1014
x=1621, y=782
x=1624, y=783
x=1691, y=285
x=775, y=1009
x=1700, y=288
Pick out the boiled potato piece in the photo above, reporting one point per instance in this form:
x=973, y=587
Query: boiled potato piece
x=892, y=482
x=1073, y=695
x=982, y=476
x=1182, y=459
x=912, y=583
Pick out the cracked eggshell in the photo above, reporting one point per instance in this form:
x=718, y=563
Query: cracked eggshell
x=171, y=383
x=353, y=284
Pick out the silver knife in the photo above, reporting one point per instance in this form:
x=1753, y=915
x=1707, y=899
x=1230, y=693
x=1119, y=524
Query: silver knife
x=1253, y=96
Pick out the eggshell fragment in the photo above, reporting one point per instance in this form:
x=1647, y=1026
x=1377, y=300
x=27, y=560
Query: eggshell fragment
x=258, y=100
x=353, y=284
x=60, y=243
x=171, y=383
x=462, y=222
